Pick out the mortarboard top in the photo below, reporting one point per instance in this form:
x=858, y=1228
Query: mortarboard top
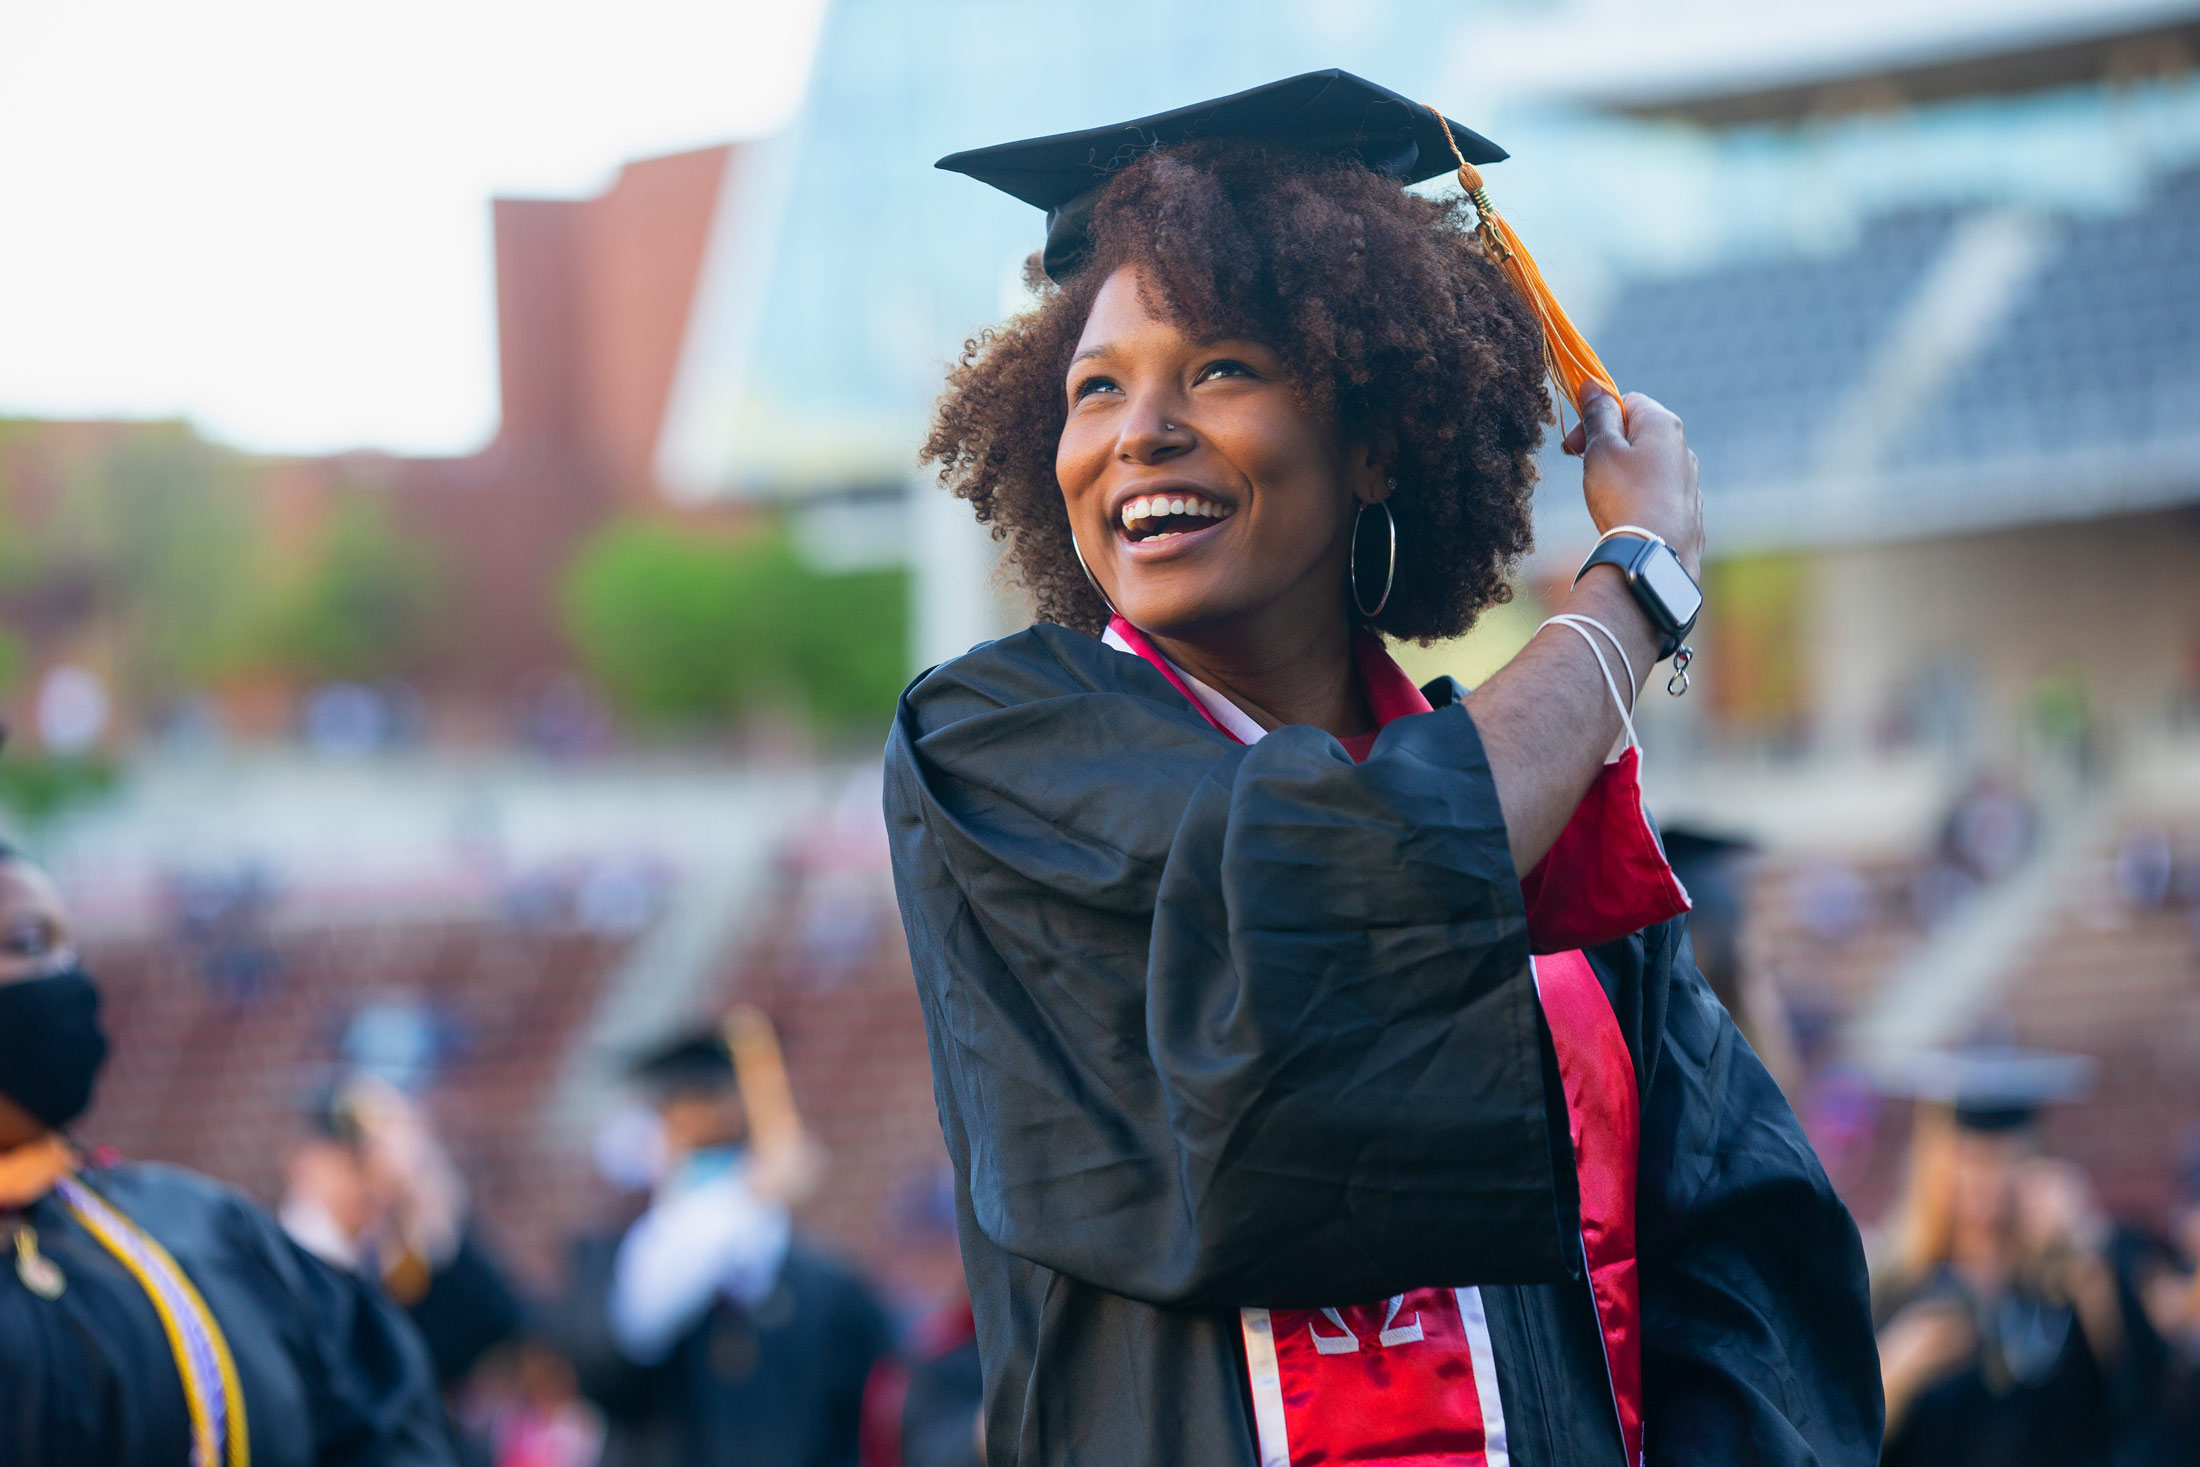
x=1998, y=1087
x=1691, y=845
x=696, y=1059
x=1705, y=864
x=1325, y=112
x=331, y=1115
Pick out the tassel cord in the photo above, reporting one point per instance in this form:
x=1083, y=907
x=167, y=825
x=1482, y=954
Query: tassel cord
x=1569, y=359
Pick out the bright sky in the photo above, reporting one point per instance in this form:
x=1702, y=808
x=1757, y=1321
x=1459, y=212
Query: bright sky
x=272, y=217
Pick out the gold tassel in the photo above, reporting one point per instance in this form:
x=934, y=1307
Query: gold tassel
x=1568, y=357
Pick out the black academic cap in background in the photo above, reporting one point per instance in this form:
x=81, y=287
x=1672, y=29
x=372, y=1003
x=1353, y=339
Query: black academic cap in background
x=1326, y=112
x=1709, y=867
x=1693, y=846
x=1998, y=1087
x=696, y=1059
x=331, y=1115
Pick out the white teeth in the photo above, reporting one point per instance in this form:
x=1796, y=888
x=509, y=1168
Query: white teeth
x=1158, y=507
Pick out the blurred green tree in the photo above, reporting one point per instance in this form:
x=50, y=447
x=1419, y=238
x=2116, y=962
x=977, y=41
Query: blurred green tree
x=12, y=658
x=367, y=604
x=34, y=787
x=684, y=627
x=149, y=532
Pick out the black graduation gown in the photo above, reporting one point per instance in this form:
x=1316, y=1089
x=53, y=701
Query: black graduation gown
x=1217, y=1025
x=779, y=1385
x=2036, y=1393
x=946, y=1392
x=331, y=1373
x=467, y=1310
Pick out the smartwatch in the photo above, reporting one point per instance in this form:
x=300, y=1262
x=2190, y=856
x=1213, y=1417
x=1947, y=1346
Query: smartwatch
x=1662, y=587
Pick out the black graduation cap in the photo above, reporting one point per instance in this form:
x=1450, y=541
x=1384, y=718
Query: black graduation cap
x=1703, y=858
x=332, y=1115
x=1327, y=112
x=1710, y=872
x=695, y=1059
x=1691, y=845
x=1999, y=1087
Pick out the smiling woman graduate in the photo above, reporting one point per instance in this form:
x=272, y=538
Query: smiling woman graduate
x=1323, y=1065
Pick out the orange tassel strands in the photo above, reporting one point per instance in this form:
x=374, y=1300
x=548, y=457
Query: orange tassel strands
x=1572, y=362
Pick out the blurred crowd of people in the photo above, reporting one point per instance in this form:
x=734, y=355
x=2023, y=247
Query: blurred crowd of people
x=369, y=1317
x=699, y=1327
x=2019, y=1322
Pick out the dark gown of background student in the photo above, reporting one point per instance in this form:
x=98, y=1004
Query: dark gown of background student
x=779, y=1385
x=332, y=1375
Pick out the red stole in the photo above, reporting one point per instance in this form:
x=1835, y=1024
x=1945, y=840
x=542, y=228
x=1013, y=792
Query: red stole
x=1412, y=1381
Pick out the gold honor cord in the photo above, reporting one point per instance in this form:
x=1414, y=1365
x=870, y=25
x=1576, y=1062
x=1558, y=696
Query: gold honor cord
x=210, y=1386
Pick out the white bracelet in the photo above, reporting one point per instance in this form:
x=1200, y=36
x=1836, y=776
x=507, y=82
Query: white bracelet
x=1578, y=622
x=1651, y=535
x=1580, y=626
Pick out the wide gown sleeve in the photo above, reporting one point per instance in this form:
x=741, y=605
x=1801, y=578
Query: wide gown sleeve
x=1219, y=1025
x=1757, y=1337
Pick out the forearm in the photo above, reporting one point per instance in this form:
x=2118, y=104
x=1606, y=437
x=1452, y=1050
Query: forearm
x=1547, y=720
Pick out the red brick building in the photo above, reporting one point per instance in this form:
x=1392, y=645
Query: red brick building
x=594, y=302
x=594, y=298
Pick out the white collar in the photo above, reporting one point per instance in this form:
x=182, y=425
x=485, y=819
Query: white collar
x=1234, y=720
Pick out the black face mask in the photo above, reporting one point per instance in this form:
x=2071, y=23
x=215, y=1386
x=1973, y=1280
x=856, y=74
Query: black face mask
x=51, y=1045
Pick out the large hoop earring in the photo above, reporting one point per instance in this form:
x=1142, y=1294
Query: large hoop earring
x=1090, y=579
x=1352, y=564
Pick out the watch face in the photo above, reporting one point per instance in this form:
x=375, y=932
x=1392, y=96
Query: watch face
x=1661, y=571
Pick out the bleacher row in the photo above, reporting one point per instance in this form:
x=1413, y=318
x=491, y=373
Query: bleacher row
x=221, y=1081
x=2104, y=348
x=217, y=1081
x=1752, y=355
x=2100, y=348
x=2110, y=977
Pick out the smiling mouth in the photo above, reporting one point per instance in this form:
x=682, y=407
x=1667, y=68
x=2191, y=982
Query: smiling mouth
x=1164, y=516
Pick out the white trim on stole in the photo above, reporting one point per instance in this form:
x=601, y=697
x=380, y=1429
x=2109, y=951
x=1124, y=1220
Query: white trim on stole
x=1267, y=1382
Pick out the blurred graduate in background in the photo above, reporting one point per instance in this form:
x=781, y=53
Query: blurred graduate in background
x=926, y=1408
x=370, y=1188
x=1715, y=869
x=705, y=1331
x=149, y=1315
x=2007, y=1334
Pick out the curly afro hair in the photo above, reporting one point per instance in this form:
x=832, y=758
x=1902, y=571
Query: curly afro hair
x=1384, y=308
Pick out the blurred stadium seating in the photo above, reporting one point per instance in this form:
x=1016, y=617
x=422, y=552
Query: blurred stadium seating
x=221, y=1082
x=1751, y=354
x=2102, y=355
x=216, y=1074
